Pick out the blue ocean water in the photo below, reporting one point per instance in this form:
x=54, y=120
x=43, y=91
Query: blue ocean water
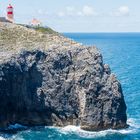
x=122, y=52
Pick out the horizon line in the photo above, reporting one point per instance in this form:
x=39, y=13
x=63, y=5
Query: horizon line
x=97, y=32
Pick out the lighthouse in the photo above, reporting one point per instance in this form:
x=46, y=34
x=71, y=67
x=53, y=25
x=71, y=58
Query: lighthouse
x=10, y=13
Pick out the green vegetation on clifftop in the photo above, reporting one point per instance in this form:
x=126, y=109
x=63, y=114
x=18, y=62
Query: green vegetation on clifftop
x=45, y=30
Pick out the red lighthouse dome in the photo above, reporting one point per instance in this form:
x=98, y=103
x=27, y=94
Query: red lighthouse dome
x=10, y=14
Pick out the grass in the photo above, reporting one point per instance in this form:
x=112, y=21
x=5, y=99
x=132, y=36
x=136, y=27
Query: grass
x=45, y=30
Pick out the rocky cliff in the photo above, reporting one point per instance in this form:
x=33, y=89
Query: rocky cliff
x=47, y=79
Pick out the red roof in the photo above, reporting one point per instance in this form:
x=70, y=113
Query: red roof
x=35, y=22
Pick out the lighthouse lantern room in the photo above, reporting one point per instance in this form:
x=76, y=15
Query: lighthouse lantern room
x=10, y=13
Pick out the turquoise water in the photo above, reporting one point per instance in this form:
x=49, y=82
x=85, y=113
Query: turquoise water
x=122, y=53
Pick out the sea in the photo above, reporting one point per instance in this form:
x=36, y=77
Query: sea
x=122, y=52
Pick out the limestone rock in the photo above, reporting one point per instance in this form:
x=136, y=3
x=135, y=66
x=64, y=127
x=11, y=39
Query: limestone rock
x=51, y=80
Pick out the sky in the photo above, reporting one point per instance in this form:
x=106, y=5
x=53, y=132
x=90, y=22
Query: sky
x=78, y=15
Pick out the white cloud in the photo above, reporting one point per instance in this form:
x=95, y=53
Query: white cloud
x=122, y=11
x=88, y=11
x=72, y=11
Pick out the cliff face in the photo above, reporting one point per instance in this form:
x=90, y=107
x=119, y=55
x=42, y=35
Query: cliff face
x=57, y=83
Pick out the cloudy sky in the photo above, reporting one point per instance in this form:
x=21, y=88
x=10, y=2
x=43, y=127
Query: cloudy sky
x=79, y=15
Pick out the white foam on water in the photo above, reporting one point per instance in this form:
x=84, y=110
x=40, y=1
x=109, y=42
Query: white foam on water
x=87, y=134
x=16, y=138
x=133, y=123
x=1, y=138
x=134, y=128
x=82, y=133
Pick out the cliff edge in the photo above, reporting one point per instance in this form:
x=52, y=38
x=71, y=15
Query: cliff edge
x=47, y=79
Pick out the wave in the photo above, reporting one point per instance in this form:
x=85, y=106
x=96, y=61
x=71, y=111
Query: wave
x=76, y=130
x=87, y=134
x=1, y=138
x=134, y=123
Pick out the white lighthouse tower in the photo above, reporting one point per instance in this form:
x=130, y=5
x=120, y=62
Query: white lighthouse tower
x=10, y=13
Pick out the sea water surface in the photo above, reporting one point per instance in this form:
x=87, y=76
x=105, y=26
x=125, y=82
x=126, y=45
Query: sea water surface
x=122, y=52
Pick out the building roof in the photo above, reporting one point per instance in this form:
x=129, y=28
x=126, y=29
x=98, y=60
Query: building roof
x=35, y=22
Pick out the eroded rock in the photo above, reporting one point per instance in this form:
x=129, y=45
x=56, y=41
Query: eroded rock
x=60, y=86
